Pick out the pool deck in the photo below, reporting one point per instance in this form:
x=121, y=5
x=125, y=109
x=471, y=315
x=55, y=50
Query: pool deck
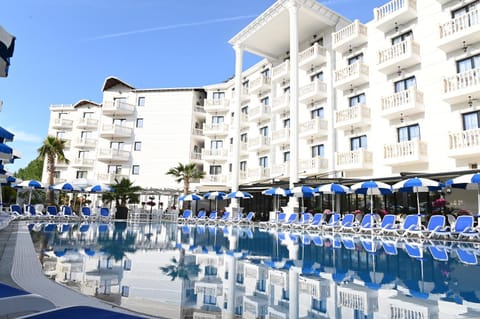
x=21, y=268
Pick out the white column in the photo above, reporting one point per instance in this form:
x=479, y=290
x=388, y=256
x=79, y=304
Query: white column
x=230, y=284
x=293, y=274
x=293, y=10
x=236, y=121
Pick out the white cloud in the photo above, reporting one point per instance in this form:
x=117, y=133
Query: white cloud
x=24, y=136
x=172, y=26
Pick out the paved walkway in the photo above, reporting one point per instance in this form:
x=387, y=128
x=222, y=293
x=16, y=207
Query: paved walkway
x=20, y=267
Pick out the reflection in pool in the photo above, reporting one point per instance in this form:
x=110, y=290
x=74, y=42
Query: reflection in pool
x=176, y=271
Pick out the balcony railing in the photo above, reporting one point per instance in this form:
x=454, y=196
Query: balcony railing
x=312, y=56
x=405, y=53
x=110, y=178
x=215, y=128
x=351, y=75
x=407, y=102
x=281, y=71
x=281, y=169
x=259, y=84
x=86, y=142
x=259, y=142
x=113, y=155
x=216, y=105
x=196, y=156
x=313, y=91
x=82, y=162
x=462, y=28
x=216, y=179
x=358, y=115
x=313, y=165
x=464, y=144
x=115, y=131
x=117, y=108
x=62, y=123
x=395, y=11
x=261, y=112
x=351, y=36
x=359, y=159
x=258, y=173
x=280, y=103
x=458, y=87
x=215, y=154
x=87, y=123
x=313, y=127
x=405, y=152
x=281, y=136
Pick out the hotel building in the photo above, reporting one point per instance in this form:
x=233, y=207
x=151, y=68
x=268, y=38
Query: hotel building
x=331, y=98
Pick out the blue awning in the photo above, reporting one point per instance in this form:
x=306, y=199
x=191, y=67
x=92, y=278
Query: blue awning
x=5, y=152
x=5, y=135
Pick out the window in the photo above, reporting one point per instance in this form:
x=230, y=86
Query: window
x=230, y=167
x=215, y=169
x=135, y=169
x=286, y=123
x=141, y=101
x=117, y=101
x=467, y=64
x=265, y=73
x=217, y=119
x=137, y=146
x=120, y=122
x=244, y=138
x=62, y=115
x=465, y=10
x=87, y=115
x=114, y=169
x=262, y=285
x=402, y=37
x=263, y=161
x=56, y=174
x=286, y=90
x=243, y=166
x=404, y=84
x=319, y=305
x=61, y=134
x=125, y=291
x=318, y=150
x=209, y=300
x=218, y=95
x=317, y=76
x=471, y=120
x=86, y=134
x=127, y=264
x=264, y=131
x=357, y=99
x=358, y=142
x=317, y=113
x=245, y=109
x=116, y=145
x=81, y=174
x=408, y=133
x=265, y=101
x=82, y=154
x=355, y=58
x=210, y=271
x=246, y=85
x=286, y=156
x=139, y=123
x=216, y=144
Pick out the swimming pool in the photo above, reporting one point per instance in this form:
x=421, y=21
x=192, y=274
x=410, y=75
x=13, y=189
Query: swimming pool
x=177, y=271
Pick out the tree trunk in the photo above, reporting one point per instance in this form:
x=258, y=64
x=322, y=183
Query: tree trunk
x=51, y=176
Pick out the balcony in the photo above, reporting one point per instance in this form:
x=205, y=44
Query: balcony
x=82, y=162
x=455, y=31
x=281, y=103
x=464, y=144
x=243, y=149
x=258, y=173
x=357, y=160
x=112, y=155
x=280, y=169
x=393, y=13
x=260, y=143
x=281, y=136
x=281, y=72
x=216, y=105
x=459, y=87
x=259, y=113
x=404, y=153
x=404, y=102
x=313, y=166
x=314, y=91
x=62, y=124
x=215, y=129
x=117, y=108
x=197, y=132
x=358, y=116
x=196, y=157
x=312, y=57
x=115, y=131
x=109, y=178
x=352, y=75
x=60, y=164
x=214, y=179
x=261, y=83
x=353, y=35
x=404, y=54
x=215, y=154
x=314, y=127
x=85, y=143
x=86, y=123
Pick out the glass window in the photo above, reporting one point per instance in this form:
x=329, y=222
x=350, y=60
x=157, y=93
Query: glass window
x=217, y=119
x=286, y=90
x=408, y=133
x=471, y=120
x=117, y=101
x=355, y=58
x=357, y=99
x=317, y=76
x=286, y=123
x=216, y=144
x=82, y=154
x=265, y=73
x=114, y=169
x=116, y=145
x=215, y=169
x=137, y=146
x=265, y=101
x=244, y=137
x=467, y=64
x=141, y=101
x=264, y=131
x=286, y=156
x=243, y=166
x=56, y=174
x=465, y=10
x=61, y=134
x=358, y=142
x=218, y=95
x=139, y=123
x=319, y=112
x=87, y=115
x=244, y=109
x=135, y=169
x=263, y=161
x=402, y=37
x=119, y=121
x=209, y=299
x=62, y=115
x=404, y=84
x=125, y=291
x=85, y=134
x=318, y=150
x=81, y=174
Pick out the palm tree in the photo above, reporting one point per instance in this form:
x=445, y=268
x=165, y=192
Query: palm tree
x=186, y=173
x=51, y=149
x=180, y=269
x=123, y=192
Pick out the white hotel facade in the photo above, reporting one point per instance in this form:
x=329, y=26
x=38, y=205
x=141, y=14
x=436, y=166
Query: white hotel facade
x=331, y=98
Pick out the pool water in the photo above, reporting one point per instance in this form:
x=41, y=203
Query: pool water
x=188, y=271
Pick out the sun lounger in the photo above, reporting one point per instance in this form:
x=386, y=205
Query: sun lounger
x=52, y=211
x=438, y=252
x=86, y=212
x=305, y=219
x=281, y=218
x=463, y=228
x=247, y=219
x=185, y=217
x=332, y=223
x=225, y=218
x=347, y=223
x=317, y=222
x=389, y=225
x=105, y=213
x=367, y=224
x=466, y=255
x=290, y=221
x=411, y=225
x=16, y=210
x=212, y=218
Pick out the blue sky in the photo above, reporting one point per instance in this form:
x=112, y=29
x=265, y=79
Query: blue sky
x=66, y=48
